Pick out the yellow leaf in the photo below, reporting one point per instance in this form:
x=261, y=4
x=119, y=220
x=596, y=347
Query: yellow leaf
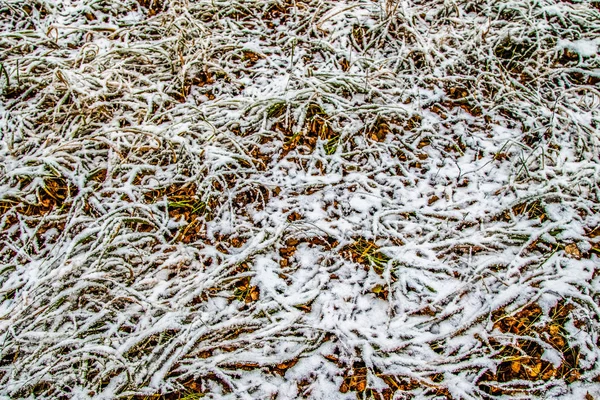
x=535, y=371
x=515, y=366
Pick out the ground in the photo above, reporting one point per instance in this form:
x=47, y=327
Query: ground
x=274, y=199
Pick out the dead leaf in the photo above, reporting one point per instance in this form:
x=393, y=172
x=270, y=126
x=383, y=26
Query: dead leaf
x=304, y=307
x=424, y=143
x=515, y=366
x=361, y=385
x=254, y=294
x=432, y=200
x=573, y=250
x=535, y=371
x=344, y=388
x=550, y=373
x=295, y=216
x=284, y=366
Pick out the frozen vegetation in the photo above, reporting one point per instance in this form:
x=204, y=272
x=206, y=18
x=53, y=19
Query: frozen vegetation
x=273, y=199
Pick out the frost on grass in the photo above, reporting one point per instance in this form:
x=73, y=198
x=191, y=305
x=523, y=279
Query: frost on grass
x=275, y=199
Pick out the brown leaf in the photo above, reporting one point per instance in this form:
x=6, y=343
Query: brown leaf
x=345, y=64
x=432, y=200
x=292, y=242
x=287, y=364
x=573, y=250
x=253, y=295
x=295, y=216
x=332, y=358
x=304, y=307
x=205, y=354
x=344, y=388
x=193, y=386
x=549, y=374
x=424, y=143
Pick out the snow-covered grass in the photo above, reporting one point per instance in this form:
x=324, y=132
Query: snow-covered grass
x=299, y=199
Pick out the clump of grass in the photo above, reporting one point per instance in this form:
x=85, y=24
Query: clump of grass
x=316, y=126
x=245, y=292
x=522, y=359
x=367, y=253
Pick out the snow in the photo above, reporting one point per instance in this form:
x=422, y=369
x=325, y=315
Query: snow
x=585, y=48
x=553, y=357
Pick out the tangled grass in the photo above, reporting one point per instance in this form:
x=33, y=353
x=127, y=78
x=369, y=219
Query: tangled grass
x=286, y=199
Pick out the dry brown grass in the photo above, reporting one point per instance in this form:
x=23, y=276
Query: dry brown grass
x=521, y=359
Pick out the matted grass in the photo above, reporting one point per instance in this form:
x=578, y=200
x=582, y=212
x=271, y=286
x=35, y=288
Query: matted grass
x=299, y=199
